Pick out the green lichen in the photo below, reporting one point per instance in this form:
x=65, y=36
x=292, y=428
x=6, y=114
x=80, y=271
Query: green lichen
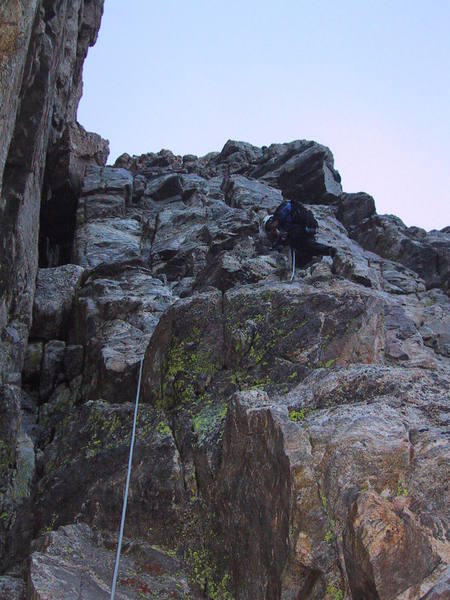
x=164, y=550
x=325, y=364
x=334, y=593
x=402, y=490
x=187, y=369
x=297, y=415
x=208, y=420
x=248, y=381
x=163, y=428
x=204, y=575
x=329, y=536
x=106, y=430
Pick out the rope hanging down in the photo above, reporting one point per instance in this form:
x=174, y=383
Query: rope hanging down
x=127, y=486
x=293, y=264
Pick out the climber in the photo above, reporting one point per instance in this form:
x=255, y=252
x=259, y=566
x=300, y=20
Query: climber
x=295, y=226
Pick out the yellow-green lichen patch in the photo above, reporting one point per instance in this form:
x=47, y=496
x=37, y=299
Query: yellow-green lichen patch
x=187, y=371
x=163, y=428
x=208, y=421
x=204, y=575
x=245, y=380
x=297, y=415
x=334, y=593
x=106, y=431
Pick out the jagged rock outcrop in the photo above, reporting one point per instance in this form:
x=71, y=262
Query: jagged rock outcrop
x=426, y=253
x=291, y=440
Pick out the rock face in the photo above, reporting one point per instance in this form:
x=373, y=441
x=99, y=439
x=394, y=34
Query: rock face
x=75, y=562
x=42, y=49
x=292, y=438
x=55, y=292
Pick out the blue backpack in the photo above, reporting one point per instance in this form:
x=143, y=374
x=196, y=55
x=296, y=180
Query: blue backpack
x=287, y=216
x=283, y=215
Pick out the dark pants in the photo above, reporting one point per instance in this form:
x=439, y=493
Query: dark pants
x=306, y=246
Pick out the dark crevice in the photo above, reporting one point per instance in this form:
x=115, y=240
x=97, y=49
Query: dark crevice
x=57, y=226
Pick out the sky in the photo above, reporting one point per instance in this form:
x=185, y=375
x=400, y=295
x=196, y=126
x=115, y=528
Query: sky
x=370, y=79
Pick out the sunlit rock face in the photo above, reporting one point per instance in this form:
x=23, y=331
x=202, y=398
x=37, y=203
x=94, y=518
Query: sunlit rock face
x=291, y=440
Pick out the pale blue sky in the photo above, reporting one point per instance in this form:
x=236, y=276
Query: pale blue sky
x=368, y=78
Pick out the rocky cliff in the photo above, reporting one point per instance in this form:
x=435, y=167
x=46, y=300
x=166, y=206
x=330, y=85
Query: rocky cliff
x=43, y=155
x=292, y=439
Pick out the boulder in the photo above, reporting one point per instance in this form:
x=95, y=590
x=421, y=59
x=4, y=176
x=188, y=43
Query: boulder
x=306, y=475
x=72, y=154
x=303, y=170
x=242, y=192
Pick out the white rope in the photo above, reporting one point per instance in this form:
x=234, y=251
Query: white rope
x=127, y=486
x=293, y=263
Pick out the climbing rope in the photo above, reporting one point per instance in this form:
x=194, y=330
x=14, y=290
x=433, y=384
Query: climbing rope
x=127, y=485
x=293, y=264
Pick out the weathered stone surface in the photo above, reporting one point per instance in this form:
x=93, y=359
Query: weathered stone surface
x=16, y=20
x=428, y=254
x=441, y=590
x=33, y=361
x=391, y=548
x=75, y=562
x=242, y=192
x=100, y=206
x=95, y=439
x=108, y=179
x=353, y=209
x=42, y=49
x=11, y=588
x=55, y=292
x=289, y=484
x=72, y=155
x=291, y=438
x=304, y=172
x=52, y=367
x=48, y=95
x=116, y=312
x=151, y=163
x=69, y=157
x=107, y=242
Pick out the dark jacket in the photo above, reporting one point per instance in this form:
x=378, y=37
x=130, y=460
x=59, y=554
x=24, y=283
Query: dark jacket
x=294, y=222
